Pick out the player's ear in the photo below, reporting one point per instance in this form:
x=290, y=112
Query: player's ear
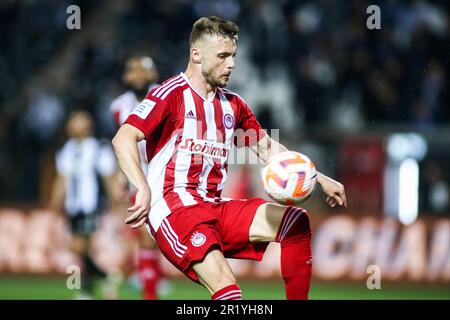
x=196, y=55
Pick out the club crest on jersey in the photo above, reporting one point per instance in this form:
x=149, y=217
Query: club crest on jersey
x=228, y=121
x=198, y=239
x=206, y=148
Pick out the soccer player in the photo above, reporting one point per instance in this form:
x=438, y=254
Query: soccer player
x=140, y=77
x=188, y=124
x=80, y=163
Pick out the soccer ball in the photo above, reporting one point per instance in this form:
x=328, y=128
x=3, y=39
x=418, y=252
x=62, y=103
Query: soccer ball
x=289, y=177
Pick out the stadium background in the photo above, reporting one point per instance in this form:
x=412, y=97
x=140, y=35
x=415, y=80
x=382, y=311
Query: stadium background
x=359, y=102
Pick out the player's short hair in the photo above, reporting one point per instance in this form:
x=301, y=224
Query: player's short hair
x=213, y=26
x=146, y=62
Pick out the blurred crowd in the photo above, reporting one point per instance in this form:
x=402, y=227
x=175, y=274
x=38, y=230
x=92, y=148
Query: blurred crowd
x=301, y=65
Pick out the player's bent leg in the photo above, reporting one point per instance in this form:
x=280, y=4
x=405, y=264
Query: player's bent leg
x=215, y=274
x=290, y=226
x=266, y=222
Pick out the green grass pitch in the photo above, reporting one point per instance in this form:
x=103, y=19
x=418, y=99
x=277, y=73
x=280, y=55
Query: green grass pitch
x=40, y=287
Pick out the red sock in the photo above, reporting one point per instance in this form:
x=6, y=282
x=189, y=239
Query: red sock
x=294, y=236
x=232, y=292
x=149, y=272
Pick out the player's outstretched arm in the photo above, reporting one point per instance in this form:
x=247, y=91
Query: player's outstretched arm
x=267, y=148
x=333, y=189
x=126, y=149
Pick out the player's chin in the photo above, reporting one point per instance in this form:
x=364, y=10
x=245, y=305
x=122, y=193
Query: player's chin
x=222, y=83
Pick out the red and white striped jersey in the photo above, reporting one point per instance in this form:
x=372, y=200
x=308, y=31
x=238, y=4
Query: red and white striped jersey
x=188, y=140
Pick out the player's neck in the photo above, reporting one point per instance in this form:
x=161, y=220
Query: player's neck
x=198, y=82
x=80, y=138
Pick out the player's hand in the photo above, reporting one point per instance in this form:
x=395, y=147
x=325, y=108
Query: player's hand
x=141, y=208
x=334, y=191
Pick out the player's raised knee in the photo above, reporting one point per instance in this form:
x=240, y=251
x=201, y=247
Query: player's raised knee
x=295, y=225
x=273, y=221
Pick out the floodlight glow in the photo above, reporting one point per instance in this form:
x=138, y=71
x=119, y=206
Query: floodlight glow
x=408, y=198
x=404, y=145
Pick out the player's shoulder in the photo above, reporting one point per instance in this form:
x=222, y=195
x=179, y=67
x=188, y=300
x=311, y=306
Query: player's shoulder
x=66, y=149
x=169, y=90
x=122, y=100
x=232, y=96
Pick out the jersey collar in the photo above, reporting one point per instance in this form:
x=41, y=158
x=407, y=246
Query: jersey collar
x=192, y=87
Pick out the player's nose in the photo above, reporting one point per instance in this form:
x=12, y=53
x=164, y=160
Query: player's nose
x=231, y=63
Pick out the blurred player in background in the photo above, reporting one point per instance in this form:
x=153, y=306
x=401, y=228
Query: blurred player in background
x=188, y=123
x=140, y=76
x=80, y=164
